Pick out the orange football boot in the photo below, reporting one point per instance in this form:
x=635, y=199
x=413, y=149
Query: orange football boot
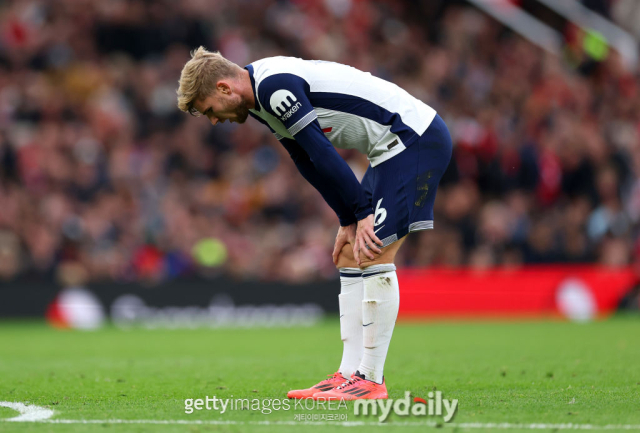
x=334, y=380
x=354, y=389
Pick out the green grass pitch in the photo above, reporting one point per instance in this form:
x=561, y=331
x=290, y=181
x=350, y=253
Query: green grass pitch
x=513, y=372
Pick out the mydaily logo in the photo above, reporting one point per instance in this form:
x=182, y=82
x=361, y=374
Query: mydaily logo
x=433, y=406
x=284, y=104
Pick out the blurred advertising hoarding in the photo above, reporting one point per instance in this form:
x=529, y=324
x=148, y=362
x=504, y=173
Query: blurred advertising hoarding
x=577, y=292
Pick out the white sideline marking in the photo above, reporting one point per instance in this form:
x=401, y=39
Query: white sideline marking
x=475, y=425
x=27, y=413
x=32, y=413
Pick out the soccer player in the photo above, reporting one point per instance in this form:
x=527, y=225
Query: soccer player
x=312, y=107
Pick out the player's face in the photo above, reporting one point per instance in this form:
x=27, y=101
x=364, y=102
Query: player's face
x=223, y=105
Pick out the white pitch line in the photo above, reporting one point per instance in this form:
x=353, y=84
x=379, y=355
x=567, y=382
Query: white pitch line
x=32, y=413
x=27, y=413
x=534, y=426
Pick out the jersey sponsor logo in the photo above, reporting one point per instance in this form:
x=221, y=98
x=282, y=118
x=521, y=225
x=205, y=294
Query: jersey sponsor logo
x=380, y=214
x=284, y=104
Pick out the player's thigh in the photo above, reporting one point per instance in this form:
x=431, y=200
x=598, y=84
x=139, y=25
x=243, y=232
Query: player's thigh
x=432, y=154
x=404, y=189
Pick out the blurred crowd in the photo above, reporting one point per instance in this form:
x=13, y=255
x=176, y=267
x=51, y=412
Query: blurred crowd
x=98, y=167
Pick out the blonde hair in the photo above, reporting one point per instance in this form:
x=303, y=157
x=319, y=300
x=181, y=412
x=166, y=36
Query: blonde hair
x=199, y=77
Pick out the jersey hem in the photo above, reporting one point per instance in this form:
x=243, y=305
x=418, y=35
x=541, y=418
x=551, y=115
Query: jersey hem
x=400, y=148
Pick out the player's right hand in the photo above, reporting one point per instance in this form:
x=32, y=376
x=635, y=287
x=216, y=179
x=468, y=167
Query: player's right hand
x=366, y=240
x=346, y=235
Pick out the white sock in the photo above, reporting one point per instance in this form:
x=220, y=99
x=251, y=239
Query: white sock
x=350, y=300
x=379, y=312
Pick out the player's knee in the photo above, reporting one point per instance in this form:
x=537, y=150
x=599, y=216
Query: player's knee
x=379, y=259
x=387, y=255
x=346, y=258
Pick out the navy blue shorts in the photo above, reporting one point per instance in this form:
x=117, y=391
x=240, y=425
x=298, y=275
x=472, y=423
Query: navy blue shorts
x=402, y=189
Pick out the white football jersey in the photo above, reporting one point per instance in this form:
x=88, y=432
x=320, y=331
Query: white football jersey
x=354, y=109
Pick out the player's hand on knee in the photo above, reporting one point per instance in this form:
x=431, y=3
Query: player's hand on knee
x=366, y=240
x=346, y=235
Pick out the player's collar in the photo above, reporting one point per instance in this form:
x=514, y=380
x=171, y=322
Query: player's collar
x=249, y=68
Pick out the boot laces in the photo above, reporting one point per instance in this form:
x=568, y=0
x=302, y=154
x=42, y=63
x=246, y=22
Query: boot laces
x=332, y=376
x=349, y=382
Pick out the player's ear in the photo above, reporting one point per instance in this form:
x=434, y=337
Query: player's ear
x=223, y=87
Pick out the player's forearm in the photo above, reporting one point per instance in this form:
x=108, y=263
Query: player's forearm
x=332, y=197
x=333, y=170
x=309, y=172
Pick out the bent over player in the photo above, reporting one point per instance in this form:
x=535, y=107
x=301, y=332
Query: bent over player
x=312, y=107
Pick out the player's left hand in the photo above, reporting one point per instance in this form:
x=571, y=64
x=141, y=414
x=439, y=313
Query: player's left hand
x=366, y=240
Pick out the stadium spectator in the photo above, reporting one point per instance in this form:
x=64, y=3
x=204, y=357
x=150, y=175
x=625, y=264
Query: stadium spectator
x=98, y=167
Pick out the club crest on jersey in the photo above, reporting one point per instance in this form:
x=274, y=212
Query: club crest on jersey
x=284, y=104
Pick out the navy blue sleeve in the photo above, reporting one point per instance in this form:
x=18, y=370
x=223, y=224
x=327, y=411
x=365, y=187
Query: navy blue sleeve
x=334, y=172
x=285, y=96
x=309, y=172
